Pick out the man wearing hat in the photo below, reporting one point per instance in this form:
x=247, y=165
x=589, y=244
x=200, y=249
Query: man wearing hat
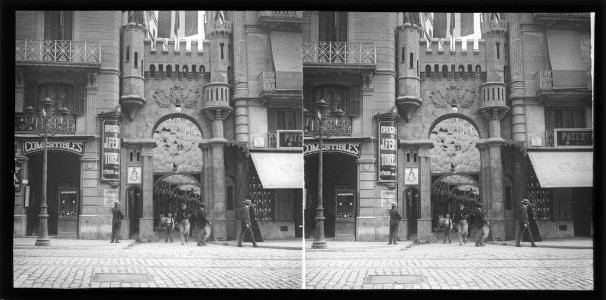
x=524, y=224
x=117, y=217
x=245, y=224
x=394, y=223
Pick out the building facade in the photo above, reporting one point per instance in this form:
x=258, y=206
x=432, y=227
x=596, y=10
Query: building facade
x=162, y=122
x=429, y=124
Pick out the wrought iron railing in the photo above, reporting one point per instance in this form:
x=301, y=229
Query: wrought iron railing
x=58, y=51
x=269, y=80
x=330, y=126
x=339, y=53
x=285, y=14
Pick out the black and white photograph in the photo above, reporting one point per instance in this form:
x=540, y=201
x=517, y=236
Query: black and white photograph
x=303, y=150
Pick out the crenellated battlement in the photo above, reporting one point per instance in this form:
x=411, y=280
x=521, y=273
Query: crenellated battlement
x=432, y=47
x=163, y=61
x=160, y=47
x=438, y=63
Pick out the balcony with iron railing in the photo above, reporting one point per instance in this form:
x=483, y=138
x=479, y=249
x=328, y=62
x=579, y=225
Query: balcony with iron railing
x=567, y=84
x=289, y=18
x=340, y=54
x=57, y=52
x=561, y=16
x=330, y=127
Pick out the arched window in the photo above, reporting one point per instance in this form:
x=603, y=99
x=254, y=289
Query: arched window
x=428, y=70
x=445, y=71
x=136, y=59
x=193, y=69
x=436, y=68
x=160, y=69
x=169, y=71
x=461, y=70
x=411, y=64
x=184, y=70
x=498, y=47
x=152, y=70
x=470, y=70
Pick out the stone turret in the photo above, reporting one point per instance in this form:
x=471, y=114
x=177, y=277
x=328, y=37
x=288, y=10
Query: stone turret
x=132, y=95
x=409, y=84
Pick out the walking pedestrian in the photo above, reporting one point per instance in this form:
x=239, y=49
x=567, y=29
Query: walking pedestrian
x=256, y=231
x=460, y=219
x=394, y=223
x=184, y=225
x=532, y=225
x=170, y=224
x=245, y=224
x=481, y=225
x=203, y=224
x=447, y=228
x=524, y=224
x=117, y=217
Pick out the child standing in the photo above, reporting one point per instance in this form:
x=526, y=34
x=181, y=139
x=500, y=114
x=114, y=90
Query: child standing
x=447, y=228
x=170, y=223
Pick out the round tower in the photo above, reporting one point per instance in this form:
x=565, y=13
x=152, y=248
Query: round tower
x=132, y=95
x=218, y=30
x=409, y=84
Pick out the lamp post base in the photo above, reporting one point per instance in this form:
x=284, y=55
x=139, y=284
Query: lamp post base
x=319, y=245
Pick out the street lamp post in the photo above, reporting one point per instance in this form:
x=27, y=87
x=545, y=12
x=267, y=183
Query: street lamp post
x=48, y=122
x=321, y=105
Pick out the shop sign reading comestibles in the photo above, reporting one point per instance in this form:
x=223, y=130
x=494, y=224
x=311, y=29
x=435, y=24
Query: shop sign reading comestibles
x=345, y=148
x=388, y=148
x=110, y=150
x=76, y=147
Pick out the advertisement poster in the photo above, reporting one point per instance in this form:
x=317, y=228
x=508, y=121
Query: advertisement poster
x=110, y=196
x=134, y=175
x=411, y=175
x=388, y=148
x=110, y=150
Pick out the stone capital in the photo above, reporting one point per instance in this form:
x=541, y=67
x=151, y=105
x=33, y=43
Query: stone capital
x=218, y=113
x=494, y=113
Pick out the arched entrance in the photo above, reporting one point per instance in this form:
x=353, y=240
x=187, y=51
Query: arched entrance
x=177, y=165
x=339, y=195
x=62, y=193
x=455, y=167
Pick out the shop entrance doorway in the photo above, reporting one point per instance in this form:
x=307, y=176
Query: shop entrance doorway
x=63, y=180
x=134, y=210
x=339, y=186
x=581, y=211
x=413, y=211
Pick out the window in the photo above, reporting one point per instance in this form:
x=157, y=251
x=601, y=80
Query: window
x=564, y=117
x=498, y=46
x=169, y=71
x=333, y=26
x=152, y=70
x=284, y=119
x=403, y=55
x=346, y=97
x=58, y=25
x=136, y=59
x=411, y=64
x=428, y=70
x=444, y=71
x=221, y=45
x=64, y=95
x=127, y=53
x=184, y=71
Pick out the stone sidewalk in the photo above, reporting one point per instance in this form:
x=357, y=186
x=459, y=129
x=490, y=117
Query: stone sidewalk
x=350, y=246
x=571, y=243
x=290, y=244
x=30, y=243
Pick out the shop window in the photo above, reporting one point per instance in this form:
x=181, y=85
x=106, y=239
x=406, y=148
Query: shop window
x=333, y=26
x=64, y=95
x=58, y=25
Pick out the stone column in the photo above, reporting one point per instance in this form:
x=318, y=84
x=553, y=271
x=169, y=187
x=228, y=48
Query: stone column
x=19, y=90
x=91, y=103
x=146, y=222
x=241, y=80
x=424, y=232
x=366, y=109
x=217, y=144
x=518, y=109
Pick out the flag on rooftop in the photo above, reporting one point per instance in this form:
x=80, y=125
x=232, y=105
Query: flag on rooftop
x=191, y=22
x=164, y=22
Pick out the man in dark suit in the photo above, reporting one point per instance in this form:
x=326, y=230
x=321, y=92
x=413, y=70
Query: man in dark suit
x=478, y=221
x=203, y=224
x=394, y=223
x=524, y=224
x=117, y=217
x=245, y=224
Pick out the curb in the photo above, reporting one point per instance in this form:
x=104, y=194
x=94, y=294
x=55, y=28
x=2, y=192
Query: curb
x=72, y=247
x=405, y=246
x=231, y=244
x=539, y=245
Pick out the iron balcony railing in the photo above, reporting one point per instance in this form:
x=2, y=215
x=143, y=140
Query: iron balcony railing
x=330, y=126
x=58, y=51
x=577, y=79
x=339, y=53
x=281, y=14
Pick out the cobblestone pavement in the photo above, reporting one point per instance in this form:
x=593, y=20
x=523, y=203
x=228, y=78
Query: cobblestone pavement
x=159, y=265
x=439, y=266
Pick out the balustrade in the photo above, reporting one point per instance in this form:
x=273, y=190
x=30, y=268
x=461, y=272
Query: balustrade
x=57, y=51
x=339, y=53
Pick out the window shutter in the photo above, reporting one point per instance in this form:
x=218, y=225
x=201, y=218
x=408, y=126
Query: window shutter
x=79, y=99
x=342, y=27
x=51, y=25
x=68, y=19
x=355, y=99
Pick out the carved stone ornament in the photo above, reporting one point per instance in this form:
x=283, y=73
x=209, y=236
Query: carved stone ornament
x=177, y=95
x=453, y=96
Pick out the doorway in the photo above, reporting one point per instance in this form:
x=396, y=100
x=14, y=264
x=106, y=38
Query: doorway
x=134, y=210
x=63, y=174
x=413, y=211
x=582, y=211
